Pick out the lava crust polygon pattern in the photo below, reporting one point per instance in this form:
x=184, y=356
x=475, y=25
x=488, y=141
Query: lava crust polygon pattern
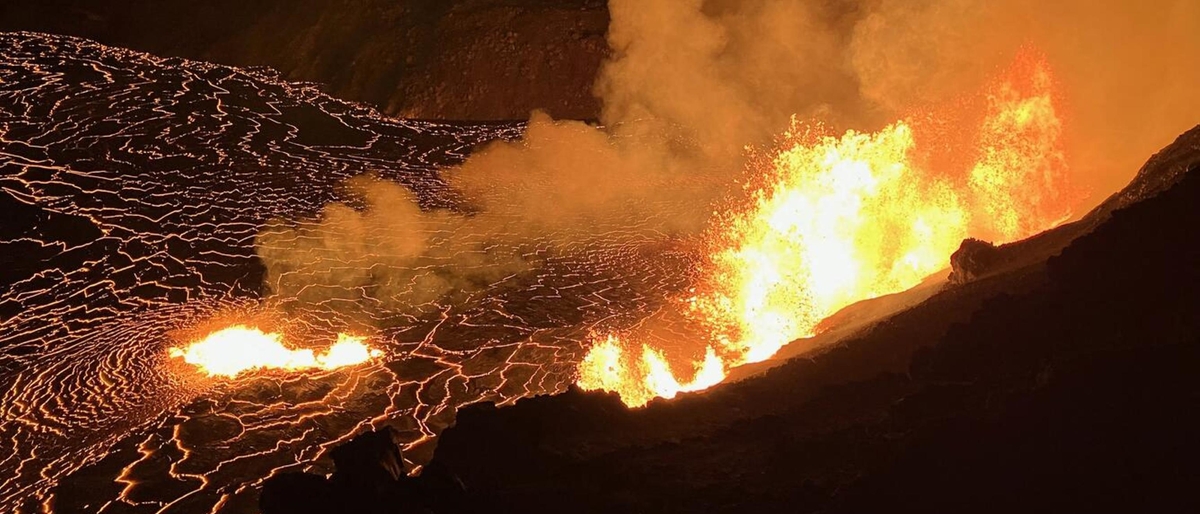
x=133, y=188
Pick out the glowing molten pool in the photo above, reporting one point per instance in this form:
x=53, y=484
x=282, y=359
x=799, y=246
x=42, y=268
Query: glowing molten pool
x=833, y=220
x=237, y=349
x=638, y=381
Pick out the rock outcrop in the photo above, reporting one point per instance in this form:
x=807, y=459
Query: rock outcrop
x=369, y=478
x=973, y=259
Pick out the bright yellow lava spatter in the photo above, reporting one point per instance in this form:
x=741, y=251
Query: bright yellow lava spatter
x=844, y=219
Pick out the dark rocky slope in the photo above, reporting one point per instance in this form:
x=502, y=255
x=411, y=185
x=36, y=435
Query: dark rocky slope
x=1065, y=385
x=443, y=59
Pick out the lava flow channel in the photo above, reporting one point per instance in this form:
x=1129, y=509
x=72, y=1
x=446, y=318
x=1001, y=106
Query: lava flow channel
x=835, y=220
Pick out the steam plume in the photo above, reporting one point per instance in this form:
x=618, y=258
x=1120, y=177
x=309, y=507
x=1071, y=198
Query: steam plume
x=692, y=83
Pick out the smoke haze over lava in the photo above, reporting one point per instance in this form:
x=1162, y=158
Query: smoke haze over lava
x=695, y=89
x=157, y=196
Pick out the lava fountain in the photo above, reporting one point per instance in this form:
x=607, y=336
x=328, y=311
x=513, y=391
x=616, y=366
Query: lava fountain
x=833, y=220
x=234, y=350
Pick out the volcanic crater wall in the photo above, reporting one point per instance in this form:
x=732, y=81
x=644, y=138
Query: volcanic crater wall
x=430, y=59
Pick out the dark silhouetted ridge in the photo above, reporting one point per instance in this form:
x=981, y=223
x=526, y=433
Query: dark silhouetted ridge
x=1067, y=386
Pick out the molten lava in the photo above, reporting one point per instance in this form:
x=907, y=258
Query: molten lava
x=237, y=349
x=1019, y=183
x=651, y=377
x=841, y=220
x=836, y=220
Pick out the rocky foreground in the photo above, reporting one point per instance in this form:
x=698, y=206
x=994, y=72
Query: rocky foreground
x=1059, y=377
